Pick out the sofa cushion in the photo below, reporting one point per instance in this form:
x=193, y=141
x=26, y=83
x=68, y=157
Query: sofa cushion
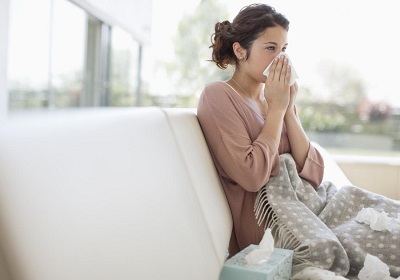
x=107, y=194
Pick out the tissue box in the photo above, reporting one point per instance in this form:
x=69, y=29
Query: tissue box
x=278, y=266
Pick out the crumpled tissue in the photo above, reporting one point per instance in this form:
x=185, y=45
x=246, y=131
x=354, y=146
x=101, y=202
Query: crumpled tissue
x=377, y=221
x=294, y=75
x=264, y=250
x=374, y=269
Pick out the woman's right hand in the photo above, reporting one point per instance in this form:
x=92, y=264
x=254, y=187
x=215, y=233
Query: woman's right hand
x=277, y=85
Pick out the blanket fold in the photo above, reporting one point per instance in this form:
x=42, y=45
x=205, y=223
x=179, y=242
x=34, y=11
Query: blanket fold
x=320, y=226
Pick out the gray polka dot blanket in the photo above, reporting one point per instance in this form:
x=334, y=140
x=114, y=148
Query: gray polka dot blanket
x=320, y=225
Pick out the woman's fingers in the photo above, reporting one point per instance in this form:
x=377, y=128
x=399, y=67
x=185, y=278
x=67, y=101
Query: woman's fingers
x=277, y=89
x=273, y=68
x=288, y=72
x=280, y=69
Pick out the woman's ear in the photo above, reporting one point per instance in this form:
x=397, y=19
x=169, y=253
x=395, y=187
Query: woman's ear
x=239, y=51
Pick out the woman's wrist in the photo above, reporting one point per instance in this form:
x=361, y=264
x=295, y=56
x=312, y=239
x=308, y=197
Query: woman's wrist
x=290, y=114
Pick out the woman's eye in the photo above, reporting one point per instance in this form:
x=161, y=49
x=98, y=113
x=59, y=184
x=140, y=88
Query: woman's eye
x=271, y=48
x=284, y=50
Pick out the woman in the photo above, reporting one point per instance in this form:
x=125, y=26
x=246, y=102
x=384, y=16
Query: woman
x=250, y=119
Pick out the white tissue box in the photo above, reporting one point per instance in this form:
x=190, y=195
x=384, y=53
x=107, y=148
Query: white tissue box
x=278, y=266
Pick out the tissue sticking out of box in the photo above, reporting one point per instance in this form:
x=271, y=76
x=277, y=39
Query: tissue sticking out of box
x=374, y=268
x=264, y=250
x=377, y=221
x=294, y=75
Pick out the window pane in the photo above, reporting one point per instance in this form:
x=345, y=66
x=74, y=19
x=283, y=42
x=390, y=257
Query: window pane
x=28, y=61
x=124, y=68
x=68, y=54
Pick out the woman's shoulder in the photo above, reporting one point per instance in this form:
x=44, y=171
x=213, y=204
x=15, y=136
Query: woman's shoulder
x=217, y=88
x=216, y=85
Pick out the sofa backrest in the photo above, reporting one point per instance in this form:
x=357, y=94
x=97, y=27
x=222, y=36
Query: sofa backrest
x=110, y=194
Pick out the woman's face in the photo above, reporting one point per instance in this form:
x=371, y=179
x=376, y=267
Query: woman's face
x=264, y=49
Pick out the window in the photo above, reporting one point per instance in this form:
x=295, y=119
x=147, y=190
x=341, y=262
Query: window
x=125, y=67
x=344, y=51
x=67, y=52
x=60, y=56
x=29, y=61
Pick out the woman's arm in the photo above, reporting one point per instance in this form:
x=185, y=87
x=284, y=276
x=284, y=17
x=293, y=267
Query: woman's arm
x=298, y=139
x=309, y=161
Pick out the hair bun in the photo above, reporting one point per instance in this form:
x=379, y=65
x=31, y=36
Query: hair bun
x=224, y=26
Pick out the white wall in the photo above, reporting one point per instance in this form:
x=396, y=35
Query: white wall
x=4, y=21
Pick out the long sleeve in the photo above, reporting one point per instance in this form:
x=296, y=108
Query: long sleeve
x=313, y=170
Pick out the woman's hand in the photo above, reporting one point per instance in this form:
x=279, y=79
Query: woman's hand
x=277, y=92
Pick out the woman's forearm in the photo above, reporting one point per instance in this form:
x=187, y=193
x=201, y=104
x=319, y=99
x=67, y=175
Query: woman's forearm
x=298, y=139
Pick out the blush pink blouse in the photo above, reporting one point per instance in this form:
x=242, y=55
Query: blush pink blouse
x=244, y=158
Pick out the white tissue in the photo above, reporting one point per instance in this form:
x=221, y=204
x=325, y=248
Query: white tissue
x=377, y=221
x=294, y=75
x=264, y=250
x=374, y=269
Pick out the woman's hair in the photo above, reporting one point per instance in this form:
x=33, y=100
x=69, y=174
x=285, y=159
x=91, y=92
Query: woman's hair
x=245, y=29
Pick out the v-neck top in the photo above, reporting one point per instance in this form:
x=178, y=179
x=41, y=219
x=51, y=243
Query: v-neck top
x=244, y=158
x=250, y=104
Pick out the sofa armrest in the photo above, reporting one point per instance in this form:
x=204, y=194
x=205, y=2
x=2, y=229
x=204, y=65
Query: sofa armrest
x=332, y=172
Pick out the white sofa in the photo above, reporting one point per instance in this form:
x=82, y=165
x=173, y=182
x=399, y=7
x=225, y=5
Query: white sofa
x=112, y=194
